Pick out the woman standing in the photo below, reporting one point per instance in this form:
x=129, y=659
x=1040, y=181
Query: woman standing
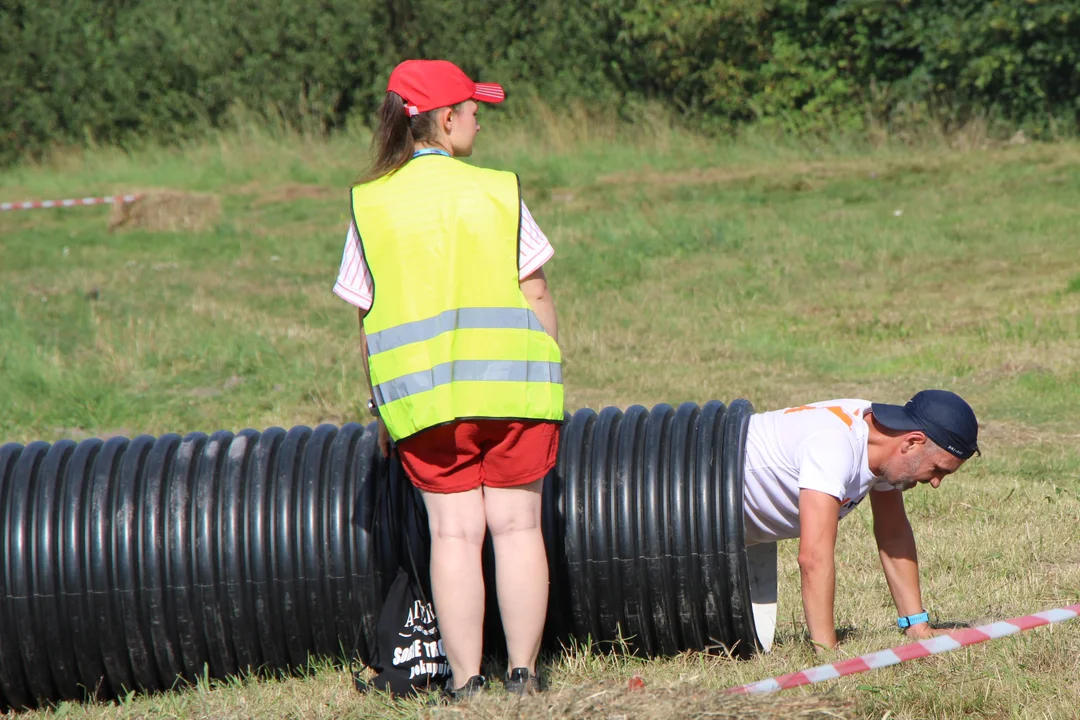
x=459, y=336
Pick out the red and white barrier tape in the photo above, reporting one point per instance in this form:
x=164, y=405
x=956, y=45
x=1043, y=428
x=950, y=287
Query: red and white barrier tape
x=34, y=205
x=911, y=651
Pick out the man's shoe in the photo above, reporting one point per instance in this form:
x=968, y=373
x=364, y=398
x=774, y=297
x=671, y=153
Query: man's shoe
x=473, y=687
x=522, y=682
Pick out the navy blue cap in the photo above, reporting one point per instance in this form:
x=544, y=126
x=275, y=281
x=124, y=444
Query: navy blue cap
x=944, y=416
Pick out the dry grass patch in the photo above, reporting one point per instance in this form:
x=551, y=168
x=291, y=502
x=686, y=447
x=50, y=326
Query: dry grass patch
x=792, y=173
x=604, y=700
x=1010, y=434
x=807, y=175
x=293, y=192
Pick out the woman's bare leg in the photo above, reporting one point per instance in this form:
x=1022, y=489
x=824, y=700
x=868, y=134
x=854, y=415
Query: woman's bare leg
x=457, y=578
x=521, y=569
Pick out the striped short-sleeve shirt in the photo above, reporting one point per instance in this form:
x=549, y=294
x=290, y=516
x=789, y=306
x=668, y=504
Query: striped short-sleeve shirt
x=354, y=280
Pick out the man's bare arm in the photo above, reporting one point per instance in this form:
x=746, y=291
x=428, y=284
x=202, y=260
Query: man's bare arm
x=819, y=515
x=899, y=557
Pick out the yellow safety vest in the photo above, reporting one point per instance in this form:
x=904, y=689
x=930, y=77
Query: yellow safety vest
x=450, y=335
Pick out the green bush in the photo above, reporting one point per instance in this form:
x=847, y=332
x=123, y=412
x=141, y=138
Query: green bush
x=806, y=63
x=114, y=71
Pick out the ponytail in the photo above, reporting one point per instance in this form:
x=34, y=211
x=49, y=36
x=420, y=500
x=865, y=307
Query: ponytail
x=392, y=144
x=395, y=138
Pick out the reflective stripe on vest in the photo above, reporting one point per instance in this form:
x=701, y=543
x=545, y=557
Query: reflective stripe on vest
x=488, y=318
x=467, y=370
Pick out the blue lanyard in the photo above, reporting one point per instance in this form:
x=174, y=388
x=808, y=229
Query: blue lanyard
x=430, y=151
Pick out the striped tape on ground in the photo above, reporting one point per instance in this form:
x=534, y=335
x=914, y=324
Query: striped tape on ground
x=38, y=204
x=911, y=651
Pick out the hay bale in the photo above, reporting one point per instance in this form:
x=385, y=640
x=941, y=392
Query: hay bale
x=167, y=211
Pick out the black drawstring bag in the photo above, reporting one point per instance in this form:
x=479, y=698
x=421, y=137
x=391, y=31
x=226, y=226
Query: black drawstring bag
x=408, y=656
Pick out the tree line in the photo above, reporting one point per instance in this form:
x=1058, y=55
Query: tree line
x=114, y=71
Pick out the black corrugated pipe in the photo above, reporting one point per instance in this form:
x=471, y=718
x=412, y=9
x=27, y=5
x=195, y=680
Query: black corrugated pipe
x=138, y=564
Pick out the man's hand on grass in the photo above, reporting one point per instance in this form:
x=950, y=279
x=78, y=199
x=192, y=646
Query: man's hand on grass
x=923, y=631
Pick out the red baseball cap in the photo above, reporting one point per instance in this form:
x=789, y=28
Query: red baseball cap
x=429, y=84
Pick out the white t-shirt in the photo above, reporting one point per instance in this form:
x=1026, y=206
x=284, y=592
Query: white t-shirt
x=821, y=446
x=354, y=279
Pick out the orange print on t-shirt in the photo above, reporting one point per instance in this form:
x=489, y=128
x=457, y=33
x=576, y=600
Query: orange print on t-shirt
x=834, y=409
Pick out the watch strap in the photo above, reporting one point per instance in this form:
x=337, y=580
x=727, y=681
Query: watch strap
x=905, y=622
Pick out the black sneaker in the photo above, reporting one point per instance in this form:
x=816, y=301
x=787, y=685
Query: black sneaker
x=521, y=682
x=473, y=687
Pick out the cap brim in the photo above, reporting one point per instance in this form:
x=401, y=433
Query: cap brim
x=894, y=417
x=489, y=93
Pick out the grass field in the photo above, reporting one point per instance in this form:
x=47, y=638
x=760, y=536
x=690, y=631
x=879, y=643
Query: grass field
x=685, y=269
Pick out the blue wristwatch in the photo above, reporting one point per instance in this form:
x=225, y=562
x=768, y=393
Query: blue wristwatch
x=905, y=622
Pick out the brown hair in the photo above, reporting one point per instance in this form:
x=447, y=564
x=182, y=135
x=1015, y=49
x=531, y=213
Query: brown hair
x=396, y=136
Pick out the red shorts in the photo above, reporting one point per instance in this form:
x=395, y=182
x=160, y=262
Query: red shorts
x=466, y=454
